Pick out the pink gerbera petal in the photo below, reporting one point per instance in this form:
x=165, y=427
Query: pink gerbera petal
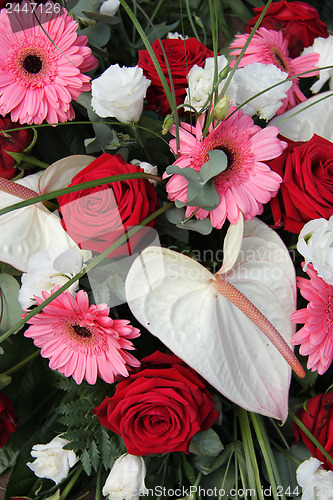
x=39, y=78
x=246, y=183
x=270, y=47
x=82, y=341
x=316, y=336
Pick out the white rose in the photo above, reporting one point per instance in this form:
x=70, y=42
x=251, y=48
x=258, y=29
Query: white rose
x=119, y=93
x=109, y=7
x=315, y=243
x=323, y=47
x=316, y=482
x=52, y=461
x=176, y=36
x=46, y=269
x=126, y=480
x=200, y=83
x=256, y=77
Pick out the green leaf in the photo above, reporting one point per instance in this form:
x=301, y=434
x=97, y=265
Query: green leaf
x=8, y=454
x=4, y=380
x=105, y=447
x=96, y=16
x=239, y=9
x=205, y=197
x=10, y=309
x=86, y=462
x=98, y=34
x=200, y=226
x=206, y=443
x=189, y=173
x=217, y=163
x=158, y=31
x=95, y=456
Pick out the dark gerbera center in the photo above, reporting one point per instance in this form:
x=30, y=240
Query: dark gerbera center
x=82, y=331
x=32, y=64
x=280, y=60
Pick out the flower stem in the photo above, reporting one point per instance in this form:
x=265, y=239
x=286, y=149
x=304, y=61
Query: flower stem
x=22, y=363
x=71, y=483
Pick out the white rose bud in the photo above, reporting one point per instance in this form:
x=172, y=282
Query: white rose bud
x=52, y=461
x=126, y=479
x=119, y=93
x=109, y=7
x=316, y=482
x=315, y=243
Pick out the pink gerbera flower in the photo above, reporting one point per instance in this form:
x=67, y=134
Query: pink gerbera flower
x=270, y=47
x=82, y=341
x=316, y=336
x=246, y=183
x=40, y=66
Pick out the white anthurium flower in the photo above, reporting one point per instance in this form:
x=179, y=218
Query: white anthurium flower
x=34, y=228
x=221, y=335
x=313, y=116
x=255, y=78
x=323, y=47
x=52, y=461
x=126, y=480
x=200, y=83
x=316, y=482
x=315, y=243
x=47, y=269
x=119, y=92
x=109, y=7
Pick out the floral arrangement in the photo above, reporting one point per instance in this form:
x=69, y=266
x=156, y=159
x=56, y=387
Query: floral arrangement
x=166, y=248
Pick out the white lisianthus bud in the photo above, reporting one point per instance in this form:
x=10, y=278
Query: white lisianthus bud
x=315, y=243
x=176, y=36
x=316, y=482
x=47, y=269
x=119, y=92
x=255, y=78
x=200, y=83
x=52, y=461
x=221, y=109
x=148, y=168
x=126, y=480
x=109, y=7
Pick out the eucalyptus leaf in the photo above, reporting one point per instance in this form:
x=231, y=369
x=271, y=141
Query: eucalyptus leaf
x=200, y=226
x=98, y=34
x=205, y=197
x=10, y=308
x=217, y=163
x=96, y=16
x=189, y=173
x=206, y=443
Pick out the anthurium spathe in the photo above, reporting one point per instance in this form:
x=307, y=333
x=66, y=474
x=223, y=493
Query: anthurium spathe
x=33, y=228
x=177, y=300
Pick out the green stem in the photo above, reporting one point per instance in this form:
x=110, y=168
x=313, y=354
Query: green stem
x=78, y=187
x=71, y=483
x=232, y=72
x=98, y=484
x=22, y=363
x=249, y=452
x=189, y=15
x=33, y=161
x=311, y=437
x=267, y=454
x=84, y=271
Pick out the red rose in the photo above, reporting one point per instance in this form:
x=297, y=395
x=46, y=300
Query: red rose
x=306, y=192
x=7, y=419
x=14, y=142
x=299, y=22
x=159, y=408
x=318, y=418
x=182, y=55
x=97, y=217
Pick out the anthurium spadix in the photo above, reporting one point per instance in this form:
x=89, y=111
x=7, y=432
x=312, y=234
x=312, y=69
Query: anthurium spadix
x=180, y=301
x=34, y=228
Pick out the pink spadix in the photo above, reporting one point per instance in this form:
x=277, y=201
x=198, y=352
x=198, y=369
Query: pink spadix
x=16, y=189
x=252, y=312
